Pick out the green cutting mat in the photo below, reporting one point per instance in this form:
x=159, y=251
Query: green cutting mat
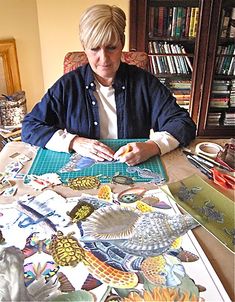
x=47, y=161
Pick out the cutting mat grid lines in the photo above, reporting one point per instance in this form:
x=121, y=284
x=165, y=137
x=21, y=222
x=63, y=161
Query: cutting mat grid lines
x=47, y=161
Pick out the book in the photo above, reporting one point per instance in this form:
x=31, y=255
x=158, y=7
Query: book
x=187, y=21
x=174, y=21
x=169, y=21
x=225, y=23
x=151, y=21
x=155, y=22
x=191, y=24
x=195, y=23
x=178, y=22
x=232, y=24
x=183, y=22
x=160, y=21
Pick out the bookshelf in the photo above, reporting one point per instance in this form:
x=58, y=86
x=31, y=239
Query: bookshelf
x=191, y=53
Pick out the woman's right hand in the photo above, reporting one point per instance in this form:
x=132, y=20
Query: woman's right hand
x=91, y=148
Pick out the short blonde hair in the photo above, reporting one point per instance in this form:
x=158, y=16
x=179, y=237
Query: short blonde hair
x=102, y=25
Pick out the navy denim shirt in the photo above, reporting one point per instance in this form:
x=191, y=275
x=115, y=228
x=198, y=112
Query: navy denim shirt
x=142, y=103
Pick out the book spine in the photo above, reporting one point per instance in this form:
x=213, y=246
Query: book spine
x=187, y=21
x=169, y=21
x=174, y=20
x=165, y=20
x=195, y=24
x=160, y=21
x=155, y=23
x=151, y=21
x=183, y=23
x=178, y=22
x=191, y=25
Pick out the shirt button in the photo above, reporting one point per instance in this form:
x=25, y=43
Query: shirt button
x=123, y=87
x=92, y=84
x=87, y=87
x=93, y=103
x=95, y=123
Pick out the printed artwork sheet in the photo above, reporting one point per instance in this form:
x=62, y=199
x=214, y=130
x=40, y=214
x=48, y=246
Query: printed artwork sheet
x=30, y=224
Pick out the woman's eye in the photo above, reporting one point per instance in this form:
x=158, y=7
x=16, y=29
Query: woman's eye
x=111, y=48
x=95, y=49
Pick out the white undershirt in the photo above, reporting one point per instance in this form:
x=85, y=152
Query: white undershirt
x=105, y=96
x=107, y=110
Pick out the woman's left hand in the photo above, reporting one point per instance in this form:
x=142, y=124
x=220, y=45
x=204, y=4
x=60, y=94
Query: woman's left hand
x=135, y=153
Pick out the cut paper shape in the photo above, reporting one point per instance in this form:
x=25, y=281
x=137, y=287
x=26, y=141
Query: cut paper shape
x=77, y=163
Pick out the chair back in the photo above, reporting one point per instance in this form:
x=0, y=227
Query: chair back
x=75, y=59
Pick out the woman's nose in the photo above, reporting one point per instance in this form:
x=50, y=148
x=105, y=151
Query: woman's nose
x=103, y=55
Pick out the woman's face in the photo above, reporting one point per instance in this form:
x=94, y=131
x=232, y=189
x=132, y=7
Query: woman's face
x=105, y=61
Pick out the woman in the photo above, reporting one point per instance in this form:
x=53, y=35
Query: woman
x=108, y=99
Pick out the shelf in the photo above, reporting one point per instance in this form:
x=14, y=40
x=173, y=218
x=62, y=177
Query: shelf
x=202, y=50
x=230, y=109
x=171, y=3
x=218, y=132
x=190, y=41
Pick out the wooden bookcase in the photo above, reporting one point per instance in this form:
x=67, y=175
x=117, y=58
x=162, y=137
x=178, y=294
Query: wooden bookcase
x=204, y=50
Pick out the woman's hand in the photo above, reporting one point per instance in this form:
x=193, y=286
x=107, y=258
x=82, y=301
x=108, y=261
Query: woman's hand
x=91, y=148
x=135, y=153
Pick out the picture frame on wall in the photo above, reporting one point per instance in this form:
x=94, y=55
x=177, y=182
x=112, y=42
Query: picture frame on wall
x=9, y=69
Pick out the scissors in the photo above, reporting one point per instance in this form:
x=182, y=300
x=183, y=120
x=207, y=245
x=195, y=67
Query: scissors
x=222, y=179
x=225, y=180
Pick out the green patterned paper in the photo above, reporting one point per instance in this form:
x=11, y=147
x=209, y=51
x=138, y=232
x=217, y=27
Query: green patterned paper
x=209, y=207
x=47, y=161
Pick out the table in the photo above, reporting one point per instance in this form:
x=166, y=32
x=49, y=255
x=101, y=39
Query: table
x=177, y=168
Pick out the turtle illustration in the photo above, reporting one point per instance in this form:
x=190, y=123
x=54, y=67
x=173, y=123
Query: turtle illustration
x=84, y=182
x=122, y=180
x=67, y=251
x=81, y=211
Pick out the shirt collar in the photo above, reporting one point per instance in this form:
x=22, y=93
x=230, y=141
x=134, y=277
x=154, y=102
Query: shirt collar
x=119, y=81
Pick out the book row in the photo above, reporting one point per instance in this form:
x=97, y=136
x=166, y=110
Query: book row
x=225, y=64
x=174, y=21
x=168, y=58
x=221, y=119
x=227, y=25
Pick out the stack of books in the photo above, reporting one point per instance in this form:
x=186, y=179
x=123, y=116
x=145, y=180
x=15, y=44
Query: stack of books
x=181, y=91
x=174, y=21
x=229, y=119
x=227, y=26
x=232, y=94
x=220, y=95
x=214, y=119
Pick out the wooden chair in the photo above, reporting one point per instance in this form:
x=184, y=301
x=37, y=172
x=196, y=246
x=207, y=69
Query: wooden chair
x=75, y=59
